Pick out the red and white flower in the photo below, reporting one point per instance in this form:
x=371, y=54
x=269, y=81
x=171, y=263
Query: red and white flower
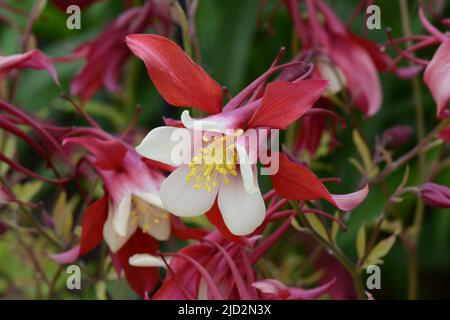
x=223, y=170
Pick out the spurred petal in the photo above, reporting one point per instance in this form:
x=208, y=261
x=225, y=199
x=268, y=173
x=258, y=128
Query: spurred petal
x=296, y=182
x=109, y=154
x=34, y=59
x=437, y=78
x=285, y=102
x=178, y=79
x=242, y=212
x=181, y=198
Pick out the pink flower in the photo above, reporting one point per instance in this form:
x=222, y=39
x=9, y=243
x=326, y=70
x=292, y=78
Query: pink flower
x=222, y=172
x=34, y=59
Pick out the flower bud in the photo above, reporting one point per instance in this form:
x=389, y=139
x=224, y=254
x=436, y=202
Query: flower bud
x=435, y=195
x=396, y=136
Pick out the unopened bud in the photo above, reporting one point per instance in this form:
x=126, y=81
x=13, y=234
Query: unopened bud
x=396, y=136
x=435, y=195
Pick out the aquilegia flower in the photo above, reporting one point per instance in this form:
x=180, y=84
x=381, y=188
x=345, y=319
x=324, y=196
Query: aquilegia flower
x=223, y=171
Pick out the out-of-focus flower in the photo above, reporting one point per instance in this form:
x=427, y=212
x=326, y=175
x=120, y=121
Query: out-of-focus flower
x=129, y=217
x=435, y=195
x=337, y=53
x=3, y=228
x=215, y=268
x=5, y=196
x=437, y=78
x=106, y=55
x=396, y=136
x=222, y=169
x=272, y=289
x=34, y=59
x=445, y=134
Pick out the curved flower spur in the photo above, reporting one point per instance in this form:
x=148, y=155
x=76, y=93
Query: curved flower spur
x=195, y=186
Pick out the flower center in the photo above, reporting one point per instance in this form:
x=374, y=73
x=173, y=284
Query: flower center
x=145, y=214
x=215, y=162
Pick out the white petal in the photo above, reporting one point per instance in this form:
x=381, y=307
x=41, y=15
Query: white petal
x=121, y=214
x=147, y=260
x=180, y=198
x=114, y=240
x=248, y=170
x=169, y=145
x=201, y=124
x=152, y=198
x=242, y=212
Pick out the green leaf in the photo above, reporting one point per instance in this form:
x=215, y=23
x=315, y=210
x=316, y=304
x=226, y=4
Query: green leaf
x=361, y=242
x=364, y=153
x=381, y=249
x=317, y=225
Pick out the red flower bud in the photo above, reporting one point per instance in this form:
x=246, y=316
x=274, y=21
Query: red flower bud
x=435, y=195
x=396, y=136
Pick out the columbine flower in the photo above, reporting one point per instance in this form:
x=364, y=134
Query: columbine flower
x=34, y=59
x=129, y=217
x=222, y=170
x=214, y=268
x=435, y=195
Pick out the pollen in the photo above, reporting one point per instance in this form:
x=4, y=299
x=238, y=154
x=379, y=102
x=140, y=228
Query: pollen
x=146, y=215
x=215, y=162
